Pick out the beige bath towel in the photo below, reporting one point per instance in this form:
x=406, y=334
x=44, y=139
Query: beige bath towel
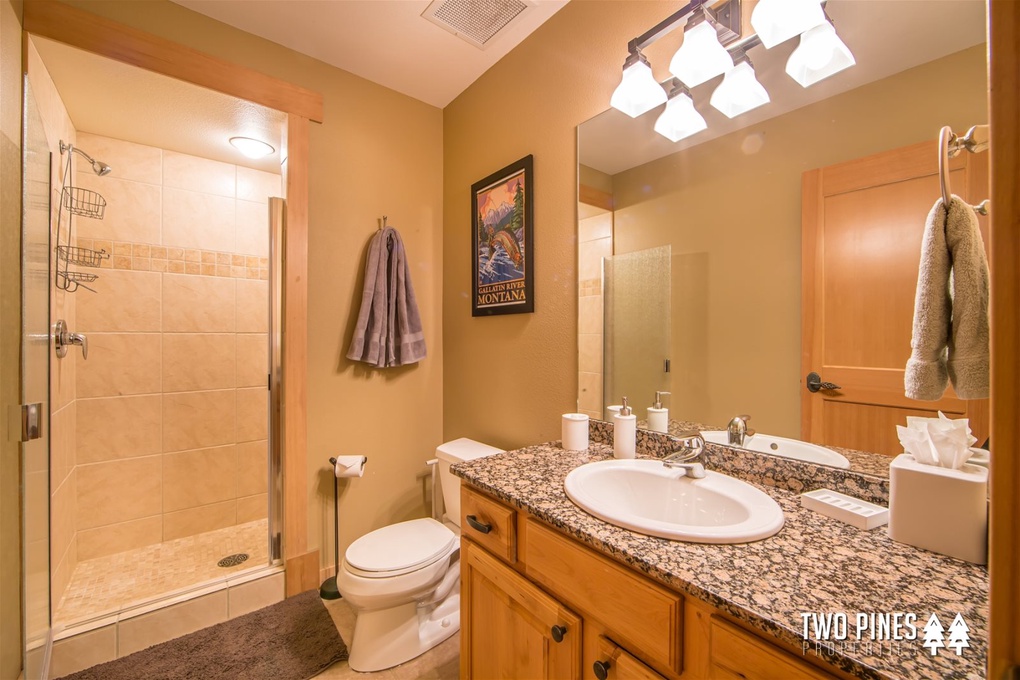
x=950, y=337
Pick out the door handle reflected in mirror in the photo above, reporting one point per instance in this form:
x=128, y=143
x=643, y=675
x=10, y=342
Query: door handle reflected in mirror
x=815, y=383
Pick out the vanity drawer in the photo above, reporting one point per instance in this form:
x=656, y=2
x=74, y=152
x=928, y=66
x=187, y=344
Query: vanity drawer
x=736, y=654
x=644, y=616
x=489, y=523
x=617, y=664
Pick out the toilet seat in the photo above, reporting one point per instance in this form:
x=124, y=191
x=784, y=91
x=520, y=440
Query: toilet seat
x=399, y=548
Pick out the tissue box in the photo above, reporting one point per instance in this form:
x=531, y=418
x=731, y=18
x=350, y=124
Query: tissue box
x=939, y=509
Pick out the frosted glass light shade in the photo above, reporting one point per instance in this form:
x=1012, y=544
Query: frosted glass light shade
x=820, y=54
x=252, y=148
x=739, y=91
x=638, y=92
x=680, y=119
x=776, y=21
x=701, y=56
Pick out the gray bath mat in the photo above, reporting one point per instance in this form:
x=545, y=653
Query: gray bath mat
x=290, y=640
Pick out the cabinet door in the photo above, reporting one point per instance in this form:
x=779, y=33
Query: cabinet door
x=510, y=628
x=739, y=655
x=614, y=663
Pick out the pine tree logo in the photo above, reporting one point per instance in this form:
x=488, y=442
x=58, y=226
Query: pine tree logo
x=933, y=638
x=958, y=637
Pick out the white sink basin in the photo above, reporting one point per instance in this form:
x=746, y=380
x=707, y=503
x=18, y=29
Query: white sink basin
x=647, y=497
x=781, y=446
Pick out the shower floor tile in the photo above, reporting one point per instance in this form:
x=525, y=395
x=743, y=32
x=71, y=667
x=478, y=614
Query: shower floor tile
x=106, y=585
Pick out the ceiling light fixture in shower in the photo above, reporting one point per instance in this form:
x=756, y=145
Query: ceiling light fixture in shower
x=252, y=148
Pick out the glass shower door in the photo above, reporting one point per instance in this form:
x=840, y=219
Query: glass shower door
x=637, y=327
x=35, y=348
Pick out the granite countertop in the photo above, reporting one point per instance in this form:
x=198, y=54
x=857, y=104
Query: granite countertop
x=814, y=565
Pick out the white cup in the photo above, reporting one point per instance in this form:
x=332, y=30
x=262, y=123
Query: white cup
x=575, y=431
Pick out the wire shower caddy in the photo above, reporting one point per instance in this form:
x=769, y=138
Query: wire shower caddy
x=83, y=203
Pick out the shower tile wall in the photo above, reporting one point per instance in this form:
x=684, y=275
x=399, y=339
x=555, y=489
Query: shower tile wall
x=172, y=408
x=595, y=241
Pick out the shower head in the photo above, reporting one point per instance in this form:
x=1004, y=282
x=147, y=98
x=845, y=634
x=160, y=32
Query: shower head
x=98, y=167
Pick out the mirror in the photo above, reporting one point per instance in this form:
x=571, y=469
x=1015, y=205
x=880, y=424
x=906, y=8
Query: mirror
x=728, y=203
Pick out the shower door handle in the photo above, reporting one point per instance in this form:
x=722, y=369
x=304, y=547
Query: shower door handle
x=62, y=339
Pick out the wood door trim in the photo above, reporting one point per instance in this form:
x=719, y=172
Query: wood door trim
x=1004, y=539
x=920, y=160
x=92, y=33
x=811, y=272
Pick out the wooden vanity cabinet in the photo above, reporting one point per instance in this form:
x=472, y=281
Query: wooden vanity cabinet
x=537, y=604
x=514, y=630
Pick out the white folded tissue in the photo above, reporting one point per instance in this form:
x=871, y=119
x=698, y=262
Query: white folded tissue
x=941, y=441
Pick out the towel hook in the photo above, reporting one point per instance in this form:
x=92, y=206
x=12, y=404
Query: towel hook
x=384, y=218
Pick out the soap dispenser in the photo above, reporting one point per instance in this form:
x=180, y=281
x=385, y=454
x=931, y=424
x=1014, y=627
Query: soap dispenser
x=624, y=432
x=658, y=417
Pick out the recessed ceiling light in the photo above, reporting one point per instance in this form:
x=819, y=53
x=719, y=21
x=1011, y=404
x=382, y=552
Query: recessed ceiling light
x=252, y=148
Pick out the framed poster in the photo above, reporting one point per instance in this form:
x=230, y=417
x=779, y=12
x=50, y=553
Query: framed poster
x=503, y=264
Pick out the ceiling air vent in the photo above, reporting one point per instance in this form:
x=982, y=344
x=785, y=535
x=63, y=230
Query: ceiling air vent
x=476, y=21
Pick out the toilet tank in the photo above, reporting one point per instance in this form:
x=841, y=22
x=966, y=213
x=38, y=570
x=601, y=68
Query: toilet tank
x=455, y=452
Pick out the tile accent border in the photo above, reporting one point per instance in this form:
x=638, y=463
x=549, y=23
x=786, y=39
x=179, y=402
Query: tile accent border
x=127, y=255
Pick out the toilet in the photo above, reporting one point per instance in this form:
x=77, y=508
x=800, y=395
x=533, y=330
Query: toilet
x=403, y=580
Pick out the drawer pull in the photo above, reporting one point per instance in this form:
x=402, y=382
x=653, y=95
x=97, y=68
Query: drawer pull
x=601, y=669
x=478, y=526
x=558, y=632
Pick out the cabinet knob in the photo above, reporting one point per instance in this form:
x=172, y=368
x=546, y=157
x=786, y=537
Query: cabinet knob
x=478, y=526
x=558, y=632
x=601, y=669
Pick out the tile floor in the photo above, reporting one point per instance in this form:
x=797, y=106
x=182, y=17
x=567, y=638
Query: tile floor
x=108, y=584
x=442, y=662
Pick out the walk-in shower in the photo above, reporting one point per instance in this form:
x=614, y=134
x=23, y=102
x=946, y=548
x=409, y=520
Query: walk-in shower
x=151, y=345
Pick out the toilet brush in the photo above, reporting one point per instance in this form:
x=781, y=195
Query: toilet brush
x=328, y=589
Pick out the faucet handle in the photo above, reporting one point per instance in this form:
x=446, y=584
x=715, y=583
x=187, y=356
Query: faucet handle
x=745, y=418
x=692, y=442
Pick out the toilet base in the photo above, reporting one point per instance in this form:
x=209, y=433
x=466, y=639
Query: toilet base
x=384, y=638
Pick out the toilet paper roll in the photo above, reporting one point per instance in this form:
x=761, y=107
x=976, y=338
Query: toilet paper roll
x=349, y=466
x=574, y=431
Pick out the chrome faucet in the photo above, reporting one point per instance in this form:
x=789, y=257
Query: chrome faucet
x=692, y=444
x=737, y=431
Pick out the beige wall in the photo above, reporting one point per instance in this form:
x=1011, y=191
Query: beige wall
x=172, y=420
x=736, y=263
x=508, y=378
x=10, y=325
x=377, y=153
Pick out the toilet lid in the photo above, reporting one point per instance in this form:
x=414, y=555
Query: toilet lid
x=401, y=546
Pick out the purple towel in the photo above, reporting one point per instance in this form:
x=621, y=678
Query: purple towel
x=388, y=332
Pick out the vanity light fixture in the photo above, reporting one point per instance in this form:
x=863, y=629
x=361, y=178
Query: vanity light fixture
x=740, y=90
x=638, y=92
x=820, y=54
x=704, y=54
x=680, y=119
x=701, y=55
x=776, y=21
x=252, y=148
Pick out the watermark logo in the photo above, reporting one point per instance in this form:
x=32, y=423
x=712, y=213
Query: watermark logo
x=876, y=633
